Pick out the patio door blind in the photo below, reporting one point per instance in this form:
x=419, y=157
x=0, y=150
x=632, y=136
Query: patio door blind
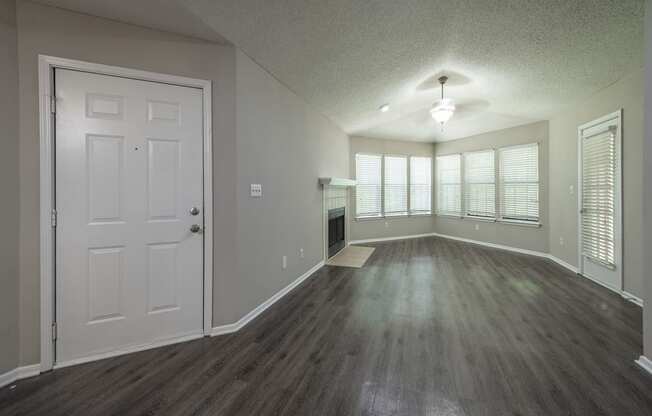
x=598, y=197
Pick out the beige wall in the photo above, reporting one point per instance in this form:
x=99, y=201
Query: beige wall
x=274, y=139
x=387, y=227
x=628, y=95
x=646, y=188
x=529, y=238
x=8, y=188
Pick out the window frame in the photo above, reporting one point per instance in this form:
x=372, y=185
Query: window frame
x=461, y=172
x=497, y=218
x=355, y=197
x=407, y=185
x=420, y=213
x=383, y=215
x=500, y=190
x=465, y=214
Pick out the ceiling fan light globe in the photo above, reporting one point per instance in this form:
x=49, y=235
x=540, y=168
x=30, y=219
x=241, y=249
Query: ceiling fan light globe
x=443, y=111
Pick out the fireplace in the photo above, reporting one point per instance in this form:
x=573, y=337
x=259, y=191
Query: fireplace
x=336, y=227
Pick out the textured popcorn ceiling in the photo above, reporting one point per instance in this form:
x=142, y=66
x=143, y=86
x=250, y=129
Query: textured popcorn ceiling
x=510, y=62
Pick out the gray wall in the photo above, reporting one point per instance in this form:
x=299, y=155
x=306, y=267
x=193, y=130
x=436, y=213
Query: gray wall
x=646, y=188
x=284, y=145
x=8, y=188
x=389, y=227
x=271, y=124
x=628, y=95
x=519, y=236
x=51, y=31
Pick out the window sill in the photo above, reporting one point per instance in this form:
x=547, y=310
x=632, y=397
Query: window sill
x=479, y=219
x=397, y=215
x=368, y=218
x=421, y=214
x=520, y=223
x=391, y=217
x=530, y=224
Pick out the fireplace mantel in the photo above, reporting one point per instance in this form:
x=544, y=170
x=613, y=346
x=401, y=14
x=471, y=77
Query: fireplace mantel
x=329, y=181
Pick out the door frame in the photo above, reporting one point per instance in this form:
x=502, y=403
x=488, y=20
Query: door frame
x=47, y=103
x=618, y=116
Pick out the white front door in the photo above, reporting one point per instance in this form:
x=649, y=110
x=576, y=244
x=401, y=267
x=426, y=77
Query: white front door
x=128, y=173
x=600, y=236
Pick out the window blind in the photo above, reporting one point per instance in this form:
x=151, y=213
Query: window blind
x=480, y=184
x=598, y=197
x=368, y=185
x=519, y=182
x=420, y=185
x=396, y=187
x=449, y=185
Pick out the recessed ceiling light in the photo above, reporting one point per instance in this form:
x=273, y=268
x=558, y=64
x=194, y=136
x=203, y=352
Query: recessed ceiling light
x=384, y=108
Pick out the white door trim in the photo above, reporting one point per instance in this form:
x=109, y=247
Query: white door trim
x=47, y=245
x=618, y=116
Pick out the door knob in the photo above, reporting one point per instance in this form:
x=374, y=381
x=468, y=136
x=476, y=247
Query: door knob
x=195, y=228
x=194, y=211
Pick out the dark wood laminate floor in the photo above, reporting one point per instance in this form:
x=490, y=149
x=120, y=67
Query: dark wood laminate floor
x=428, y=327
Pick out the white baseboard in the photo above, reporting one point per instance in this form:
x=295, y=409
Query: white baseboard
x=632, y=298
x=379, y=240
x=628, y=296
x=19, y=374
x=494, y=245
x=645, y=363
x=234, y=327
x=129, y=350
x=562, y=263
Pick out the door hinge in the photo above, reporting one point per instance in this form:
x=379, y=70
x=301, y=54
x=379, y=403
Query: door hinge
x=54, y=331
x=53, y=218
x=53, y=104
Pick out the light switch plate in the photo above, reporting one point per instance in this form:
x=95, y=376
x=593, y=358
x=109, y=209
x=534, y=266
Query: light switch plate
x=256, y=190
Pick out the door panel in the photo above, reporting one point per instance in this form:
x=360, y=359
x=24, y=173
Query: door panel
x=128, y=170
x=600, y=201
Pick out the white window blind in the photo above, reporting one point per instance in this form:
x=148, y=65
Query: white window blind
x=396, y=186
x=480, y=184
x=368, y=188
x=449, y=185
x=420, y=185
x=598, y=197
x=519, y=182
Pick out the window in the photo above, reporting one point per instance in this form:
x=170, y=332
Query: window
x=519, y=182
x=368, y=188
x=420, y=185
x=396, y=186
x=479, y=184
x=449, y=185
x=384, y=187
